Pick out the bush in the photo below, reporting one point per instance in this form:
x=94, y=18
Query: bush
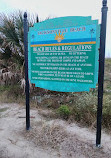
x=11, y=94
x=64, y=111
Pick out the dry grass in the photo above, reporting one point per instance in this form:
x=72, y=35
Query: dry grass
x=55, y=136
x=44, y=134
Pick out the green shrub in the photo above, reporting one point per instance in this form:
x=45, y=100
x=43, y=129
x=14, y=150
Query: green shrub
x=64, y=111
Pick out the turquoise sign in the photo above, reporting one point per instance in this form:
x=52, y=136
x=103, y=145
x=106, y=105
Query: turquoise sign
x=63, y=54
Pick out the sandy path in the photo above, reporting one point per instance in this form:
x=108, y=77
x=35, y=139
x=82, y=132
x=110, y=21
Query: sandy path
x=12, y=144
x=52, y=139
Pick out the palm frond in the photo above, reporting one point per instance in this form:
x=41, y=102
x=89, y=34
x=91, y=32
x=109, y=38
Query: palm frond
x=12, y=36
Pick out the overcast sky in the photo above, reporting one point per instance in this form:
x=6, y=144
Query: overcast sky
x=59, y=8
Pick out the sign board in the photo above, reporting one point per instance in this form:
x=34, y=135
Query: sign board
x=63, y=54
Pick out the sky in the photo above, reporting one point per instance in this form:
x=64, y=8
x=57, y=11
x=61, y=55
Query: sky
x=60, y=8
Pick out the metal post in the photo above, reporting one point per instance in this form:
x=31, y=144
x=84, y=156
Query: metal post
x=101, y=72
x=26, y=71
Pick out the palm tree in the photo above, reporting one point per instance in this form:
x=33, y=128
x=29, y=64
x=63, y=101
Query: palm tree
x=11, y=38
x=92, y=32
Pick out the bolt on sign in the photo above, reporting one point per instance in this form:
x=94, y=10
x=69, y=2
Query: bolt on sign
x=63, y=54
